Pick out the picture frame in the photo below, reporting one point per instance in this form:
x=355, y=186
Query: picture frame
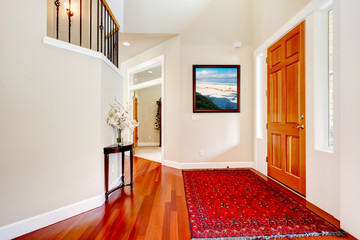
x=216, y=88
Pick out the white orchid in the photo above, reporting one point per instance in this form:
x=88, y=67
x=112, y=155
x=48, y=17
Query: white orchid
x=119, y=117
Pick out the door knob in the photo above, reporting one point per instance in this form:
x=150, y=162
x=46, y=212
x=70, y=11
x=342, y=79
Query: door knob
x=300, y=126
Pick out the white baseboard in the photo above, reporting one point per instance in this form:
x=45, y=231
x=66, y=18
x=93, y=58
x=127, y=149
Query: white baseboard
x=115, y=183
x=34, y=223
x=208, y=165
x=148, y=144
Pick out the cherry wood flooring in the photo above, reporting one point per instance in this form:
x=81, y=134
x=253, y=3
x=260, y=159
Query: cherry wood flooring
x=156, y=209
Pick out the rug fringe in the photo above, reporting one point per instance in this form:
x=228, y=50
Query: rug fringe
x=314, y=234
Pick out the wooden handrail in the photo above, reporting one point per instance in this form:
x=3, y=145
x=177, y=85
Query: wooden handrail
x=111, y=14
x=111, y=33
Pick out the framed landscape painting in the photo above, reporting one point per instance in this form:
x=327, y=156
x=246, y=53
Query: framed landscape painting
x=216, y=88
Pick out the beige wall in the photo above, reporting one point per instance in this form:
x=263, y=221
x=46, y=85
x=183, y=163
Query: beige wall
x=269, y=15
x=224, y=137
x=52, y=119
x=147, y=109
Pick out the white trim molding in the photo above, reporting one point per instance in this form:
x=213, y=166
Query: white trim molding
x=85, y=51
x=208, y=165
x=34, y=223
x=148, y=144
x=147, y=84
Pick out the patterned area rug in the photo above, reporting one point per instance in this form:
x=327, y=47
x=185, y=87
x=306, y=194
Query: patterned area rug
x=238, y=204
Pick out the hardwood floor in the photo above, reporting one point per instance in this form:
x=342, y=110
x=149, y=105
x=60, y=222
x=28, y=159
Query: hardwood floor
x=156, y=209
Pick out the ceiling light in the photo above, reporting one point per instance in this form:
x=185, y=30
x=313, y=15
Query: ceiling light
x=126, y=44
x=150, y=71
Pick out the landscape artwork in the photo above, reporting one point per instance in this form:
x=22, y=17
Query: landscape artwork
x=216, y=88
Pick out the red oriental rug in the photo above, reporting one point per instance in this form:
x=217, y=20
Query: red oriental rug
x=238, y=204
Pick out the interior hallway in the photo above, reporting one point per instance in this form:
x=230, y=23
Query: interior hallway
x=156, y=209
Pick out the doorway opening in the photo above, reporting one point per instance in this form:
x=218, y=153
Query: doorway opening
x=146, y=95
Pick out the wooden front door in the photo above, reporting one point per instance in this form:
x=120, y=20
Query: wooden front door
x=286, y=109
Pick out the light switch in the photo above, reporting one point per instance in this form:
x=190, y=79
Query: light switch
x=195, y=117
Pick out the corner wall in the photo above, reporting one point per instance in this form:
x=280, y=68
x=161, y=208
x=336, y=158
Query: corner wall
x=52, y=126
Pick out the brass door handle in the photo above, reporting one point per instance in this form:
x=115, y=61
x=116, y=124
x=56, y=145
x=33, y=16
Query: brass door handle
x=300, y=126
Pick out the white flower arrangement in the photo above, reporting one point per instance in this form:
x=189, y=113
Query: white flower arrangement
x=119, y=117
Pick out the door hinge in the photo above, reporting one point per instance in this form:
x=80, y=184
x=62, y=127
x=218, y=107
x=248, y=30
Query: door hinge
x=267, y=61
x=266, y=126
x=266, y=93
x=266, y=158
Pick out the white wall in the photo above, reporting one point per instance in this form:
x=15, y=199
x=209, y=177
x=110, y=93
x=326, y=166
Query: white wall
x=346, y=15
x=52, y=118
x=322, y=164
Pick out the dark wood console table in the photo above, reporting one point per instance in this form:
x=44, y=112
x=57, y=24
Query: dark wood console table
x=118, y=148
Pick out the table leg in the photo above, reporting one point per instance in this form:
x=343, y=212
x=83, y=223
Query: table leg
x=122, y=167
x=106, y=163
x=131, y=168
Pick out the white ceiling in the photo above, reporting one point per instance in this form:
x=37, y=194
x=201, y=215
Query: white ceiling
x=139, y=43
x=147, y=23
x=160, y=16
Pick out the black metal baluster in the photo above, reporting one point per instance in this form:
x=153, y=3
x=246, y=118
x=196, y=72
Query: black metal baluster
x=108, y=36
x=110, y=45
x=101, y=28
x=80, y=22
x=69, y=15
x=114, y=58
x=105, y=31
x=90, y=22
x=117, y=48
x=97, y=27
x=113, y=42
x=57, y=4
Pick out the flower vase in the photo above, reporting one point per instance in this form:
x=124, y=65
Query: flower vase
x=119, y=138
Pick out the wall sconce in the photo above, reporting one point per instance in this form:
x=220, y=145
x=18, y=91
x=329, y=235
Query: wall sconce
x=70, y=13
x=68, y=10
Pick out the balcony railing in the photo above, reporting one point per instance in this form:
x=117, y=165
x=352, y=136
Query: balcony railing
x=87, y=23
